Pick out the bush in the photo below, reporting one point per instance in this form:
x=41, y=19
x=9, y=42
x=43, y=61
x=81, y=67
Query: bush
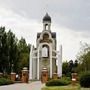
x=85, y=79
x=4, y=81
x=57, y=82
x=66, y=78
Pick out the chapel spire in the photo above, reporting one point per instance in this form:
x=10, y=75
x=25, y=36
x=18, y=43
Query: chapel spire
x=46, y=22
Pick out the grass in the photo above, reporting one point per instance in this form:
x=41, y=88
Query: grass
x=69, y=87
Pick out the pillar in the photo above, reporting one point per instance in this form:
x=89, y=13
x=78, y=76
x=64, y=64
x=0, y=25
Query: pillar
x=25, y=75
x=59, y=58
x=50, y=61
x=30, y=63
x=55, y=76
x=13, y=76
x=44, y=75
x=38, y=63
x=74, y=78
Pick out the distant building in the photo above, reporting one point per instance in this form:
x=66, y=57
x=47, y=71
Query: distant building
x=45, y=54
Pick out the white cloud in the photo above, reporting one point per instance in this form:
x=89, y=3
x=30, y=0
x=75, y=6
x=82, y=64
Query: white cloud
x=73, y=14
x=21, y=25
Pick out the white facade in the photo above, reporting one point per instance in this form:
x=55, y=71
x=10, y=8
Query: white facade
x=45, y=54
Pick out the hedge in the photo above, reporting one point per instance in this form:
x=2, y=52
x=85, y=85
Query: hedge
x=58, y=82
x=85, y=79
x=4, y=81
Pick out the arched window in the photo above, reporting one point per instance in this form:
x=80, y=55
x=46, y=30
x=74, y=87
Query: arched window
x=46, y=26
x=45, y=51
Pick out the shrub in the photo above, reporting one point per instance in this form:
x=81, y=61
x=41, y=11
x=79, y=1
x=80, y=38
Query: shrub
x=66, y=78
x=85, y=79
x=57, y=82
x=4, y=81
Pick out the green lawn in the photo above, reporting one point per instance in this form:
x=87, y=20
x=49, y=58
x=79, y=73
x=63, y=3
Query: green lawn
x=69, y=87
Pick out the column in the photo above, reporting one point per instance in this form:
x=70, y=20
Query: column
x=38, y=63
x=50, y=61
x=30, y=63
x=59, y=58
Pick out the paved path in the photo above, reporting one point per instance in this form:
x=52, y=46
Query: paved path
x=22, y=86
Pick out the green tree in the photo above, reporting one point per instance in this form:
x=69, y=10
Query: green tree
x=3, y=50
x=23, y=54
x=14, y=53
x=12, y=50
x=84, y=58
x=65, y=68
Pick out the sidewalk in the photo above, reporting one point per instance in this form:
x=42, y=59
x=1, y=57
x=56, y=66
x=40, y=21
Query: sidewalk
x=37, y=85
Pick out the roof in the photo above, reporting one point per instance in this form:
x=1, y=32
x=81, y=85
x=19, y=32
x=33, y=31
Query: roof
x=47, y=18
x=52, y=33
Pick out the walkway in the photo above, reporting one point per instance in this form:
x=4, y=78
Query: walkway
x=22, y=86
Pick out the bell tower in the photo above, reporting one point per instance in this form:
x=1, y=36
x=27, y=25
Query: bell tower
x=46, y=22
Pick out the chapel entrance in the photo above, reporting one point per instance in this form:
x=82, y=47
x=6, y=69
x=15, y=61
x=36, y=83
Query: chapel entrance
x=44, y=75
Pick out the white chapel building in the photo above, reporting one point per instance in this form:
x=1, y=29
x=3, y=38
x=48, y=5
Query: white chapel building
x=45, y=55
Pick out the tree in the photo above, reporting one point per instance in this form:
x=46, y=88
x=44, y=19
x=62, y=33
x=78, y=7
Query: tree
x=14, y=53
x=3, y=52
x=23, y=49
x=84, y=57
x=65, y=69
x=71, y=64
x=76, y=63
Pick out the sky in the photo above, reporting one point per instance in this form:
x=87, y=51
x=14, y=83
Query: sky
x=70, y=21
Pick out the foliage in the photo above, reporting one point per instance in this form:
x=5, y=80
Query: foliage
x=73, y=66
x=68, y=87
x=85, y=79
x=23, y=54
x=66, y=78
x=65, y=69
x=14, y=53
x=84, y=58
x=58, y=82
x=69, y=67
x=4, y=81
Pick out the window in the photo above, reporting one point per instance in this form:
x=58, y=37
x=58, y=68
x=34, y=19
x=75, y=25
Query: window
x=44, y=52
